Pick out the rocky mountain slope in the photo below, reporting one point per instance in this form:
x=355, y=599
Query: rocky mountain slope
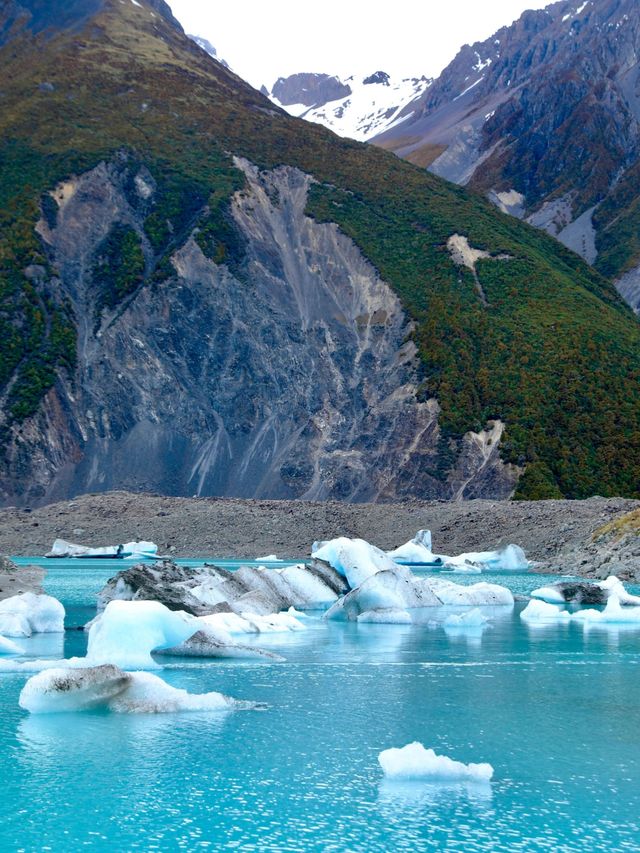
x=357, y=107
x=544, y=117
x=203, y=295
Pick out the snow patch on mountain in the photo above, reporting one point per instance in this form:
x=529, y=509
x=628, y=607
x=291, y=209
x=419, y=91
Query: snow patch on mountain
x=372, y=106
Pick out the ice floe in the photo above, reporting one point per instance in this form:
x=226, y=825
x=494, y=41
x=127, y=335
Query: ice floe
x=31, y=613
x=125, y=551
x=417, y=763
x=63, y=690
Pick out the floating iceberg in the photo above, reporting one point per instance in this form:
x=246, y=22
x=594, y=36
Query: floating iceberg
x=125, y=551
x=538, y=611
x=389, y=593
x=203, y=590
x=63, y=690
x=127, y=632
x=30, y=613
x=614, y=613
x=7, y=647
x=355, y=559
x=509, y=559
x=582, y=592
x=415, y=762
x=416, y=552
x=270, y=558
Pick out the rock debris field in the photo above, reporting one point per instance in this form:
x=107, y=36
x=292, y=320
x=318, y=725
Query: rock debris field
x=594, y=538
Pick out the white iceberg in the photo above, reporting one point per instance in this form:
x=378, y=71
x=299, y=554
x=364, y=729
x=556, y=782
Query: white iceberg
x=7, y=647
x=355, y=559
x=126, y=633
x=416, y=552
x=31, y=613
x=228, y=624
x=388, y=592
x=538, y=611
x=126, y=551
x=417, y=763
x=614, y=613
x=270, y=558
x=63, y=690
x=509, y=559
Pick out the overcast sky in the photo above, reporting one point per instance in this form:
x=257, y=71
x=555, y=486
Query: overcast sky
x=264, y=39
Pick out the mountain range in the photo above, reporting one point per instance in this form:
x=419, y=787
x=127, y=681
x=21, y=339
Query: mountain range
x=544, y=118
x=201, y=294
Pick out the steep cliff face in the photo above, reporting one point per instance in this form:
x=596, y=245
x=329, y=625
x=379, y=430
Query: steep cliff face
x=295, y=377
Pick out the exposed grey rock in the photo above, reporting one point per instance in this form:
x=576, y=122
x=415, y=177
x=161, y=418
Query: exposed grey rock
x=296, y=380
x=309, y=89
x=15, y=581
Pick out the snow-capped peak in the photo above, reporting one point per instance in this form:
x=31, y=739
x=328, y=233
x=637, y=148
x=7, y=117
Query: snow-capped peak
x=364, y=106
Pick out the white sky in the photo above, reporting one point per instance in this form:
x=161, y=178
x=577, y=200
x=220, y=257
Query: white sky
x=265, y=39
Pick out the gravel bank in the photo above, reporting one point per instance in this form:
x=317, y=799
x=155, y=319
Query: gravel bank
x=556, y=533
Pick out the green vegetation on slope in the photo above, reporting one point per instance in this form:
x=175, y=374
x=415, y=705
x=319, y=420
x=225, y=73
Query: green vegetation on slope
x=555, y=354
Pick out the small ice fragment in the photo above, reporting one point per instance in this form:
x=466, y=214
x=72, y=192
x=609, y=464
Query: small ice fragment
x=415, y=762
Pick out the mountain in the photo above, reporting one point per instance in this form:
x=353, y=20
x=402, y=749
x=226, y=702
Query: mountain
x=356, y=107
x=206, y=45
x=545, y=117
x=202, y=294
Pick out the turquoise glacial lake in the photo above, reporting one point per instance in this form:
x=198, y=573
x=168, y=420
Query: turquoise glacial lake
x=555, y=710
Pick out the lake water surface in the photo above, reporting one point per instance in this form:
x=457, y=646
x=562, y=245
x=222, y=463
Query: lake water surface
x=555, y=710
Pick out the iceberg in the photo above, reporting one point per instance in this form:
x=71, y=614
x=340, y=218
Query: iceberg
x=64, y=690
x=127, y=632
x=31, y=613
x=7, y=647
x=416, y=552
x=538, y=611
x=203, y=590
x=417, y=763
x=126, y=551
x=509, y=559
x=583, y=592
x=390, y=593
x=355, y=559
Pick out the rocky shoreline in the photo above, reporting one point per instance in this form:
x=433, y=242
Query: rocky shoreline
x=593, y=538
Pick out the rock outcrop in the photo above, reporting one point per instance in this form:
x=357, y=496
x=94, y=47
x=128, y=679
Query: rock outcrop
x=293, y=376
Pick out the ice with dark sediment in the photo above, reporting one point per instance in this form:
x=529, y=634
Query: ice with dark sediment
x=106, y=686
